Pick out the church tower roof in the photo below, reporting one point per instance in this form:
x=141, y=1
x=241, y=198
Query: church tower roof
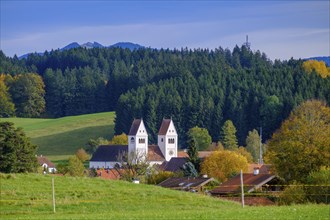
x=164, y=127
x=135, y=126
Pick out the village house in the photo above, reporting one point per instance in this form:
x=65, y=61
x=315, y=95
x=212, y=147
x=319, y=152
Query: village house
x=108, y=156
x=192, y=184
x=175, y=164
x=252, y=182
x=47, y=165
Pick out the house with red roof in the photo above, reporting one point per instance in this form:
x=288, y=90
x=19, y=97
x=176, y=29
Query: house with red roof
x=193, y=184
x=46, y=164
x=252, y=182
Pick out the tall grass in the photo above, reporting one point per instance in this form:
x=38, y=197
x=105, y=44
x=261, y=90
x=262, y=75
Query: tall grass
x=29, y=196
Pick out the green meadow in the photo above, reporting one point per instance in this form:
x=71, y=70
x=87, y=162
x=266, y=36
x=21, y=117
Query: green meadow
x=58, y=138
x=29, y=196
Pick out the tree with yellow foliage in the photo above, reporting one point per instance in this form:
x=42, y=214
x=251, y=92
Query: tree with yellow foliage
x=302, y=144
x=28, y=94
x=318, y=66
x=7, y=107
x=82, y=155
x=224, y=164
x=121, y=139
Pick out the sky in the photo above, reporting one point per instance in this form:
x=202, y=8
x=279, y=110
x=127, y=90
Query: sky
x=281, y=29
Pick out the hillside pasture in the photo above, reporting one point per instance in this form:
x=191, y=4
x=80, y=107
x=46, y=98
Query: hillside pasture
x=63, y=136
x=29, y=196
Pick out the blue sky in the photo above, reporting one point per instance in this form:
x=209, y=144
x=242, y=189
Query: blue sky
x=281, y=29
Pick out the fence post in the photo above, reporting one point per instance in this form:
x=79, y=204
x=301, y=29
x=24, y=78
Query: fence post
x=53, y=189
x=242, y=189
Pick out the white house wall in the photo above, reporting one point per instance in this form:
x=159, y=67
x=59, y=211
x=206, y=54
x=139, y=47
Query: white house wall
x=165, y=146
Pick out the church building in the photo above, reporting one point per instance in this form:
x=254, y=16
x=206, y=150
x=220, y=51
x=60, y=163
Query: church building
x=107, y=156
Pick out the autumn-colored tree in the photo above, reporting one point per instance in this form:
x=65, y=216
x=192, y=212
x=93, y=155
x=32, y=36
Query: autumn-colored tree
x=318, y=67
x=75, y=167
x=7, y=107
x=302, y=144
x=82, y=155
x=121, y=139
x=201, y=137
x=242, y=151
x=228, y=136
x=223, y=164
x=27, y=92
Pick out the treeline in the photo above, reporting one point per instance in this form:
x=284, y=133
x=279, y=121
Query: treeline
x=199, y=87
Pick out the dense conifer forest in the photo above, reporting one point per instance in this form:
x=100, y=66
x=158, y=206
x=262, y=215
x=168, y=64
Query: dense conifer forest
x=198, y=87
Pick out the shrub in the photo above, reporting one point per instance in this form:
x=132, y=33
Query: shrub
x=157, y=178
x=319, y=187
x=82, y=155
x=292, y=194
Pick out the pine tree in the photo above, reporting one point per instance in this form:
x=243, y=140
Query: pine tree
x=193, y=154
x=17, y=153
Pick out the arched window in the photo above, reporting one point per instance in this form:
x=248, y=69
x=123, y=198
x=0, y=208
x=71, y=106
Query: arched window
x=171, y=141
x=142, y=140
x=132, y=140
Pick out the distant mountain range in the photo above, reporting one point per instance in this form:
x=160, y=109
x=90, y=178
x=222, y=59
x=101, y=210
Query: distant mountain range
x=132, y=46
x=89, y=45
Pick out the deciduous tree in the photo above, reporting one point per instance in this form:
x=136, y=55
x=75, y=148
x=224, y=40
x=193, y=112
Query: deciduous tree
x=94, y=143
x=7, y=108
x=318, y=67
x=302, y=144
x=253, y=144
x=121, y=139
x=242, y=151
x=27, y=92
x=75, y=167
x=82, y=155
x=200, y=136
x=134, y=165
x=224, y=164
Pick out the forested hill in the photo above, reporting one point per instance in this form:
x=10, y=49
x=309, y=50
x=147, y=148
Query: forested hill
x=195, y=87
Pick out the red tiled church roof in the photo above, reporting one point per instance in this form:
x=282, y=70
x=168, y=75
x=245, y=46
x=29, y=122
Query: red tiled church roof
x=155, y=154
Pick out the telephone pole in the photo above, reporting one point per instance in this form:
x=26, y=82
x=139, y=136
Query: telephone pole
x=260, y=150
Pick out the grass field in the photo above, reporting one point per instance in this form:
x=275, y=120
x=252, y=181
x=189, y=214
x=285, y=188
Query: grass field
x=61, y=137
x=29, y=196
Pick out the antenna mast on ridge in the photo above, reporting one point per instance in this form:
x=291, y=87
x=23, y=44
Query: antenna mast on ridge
x=247, y=43
x=260, y=150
